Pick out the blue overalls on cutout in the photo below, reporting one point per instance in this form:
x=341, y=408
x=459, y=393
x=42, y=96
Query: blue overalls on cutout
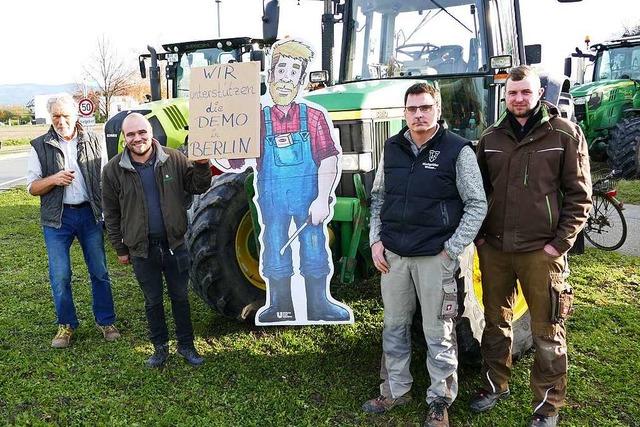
x=287, y=184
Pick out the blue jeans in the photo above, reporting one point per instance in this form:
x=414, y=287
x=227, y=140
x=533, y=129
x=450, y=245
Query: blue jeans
x=81, y=224
x=175, y=266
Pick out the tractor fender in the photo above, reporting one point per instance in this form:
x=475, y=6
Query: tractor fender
x=631, y=112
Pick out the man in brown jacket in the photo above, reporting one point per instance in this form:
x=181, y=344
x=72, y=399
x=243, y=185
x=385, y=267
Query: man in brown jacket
x=535, y=169
x=143, y=199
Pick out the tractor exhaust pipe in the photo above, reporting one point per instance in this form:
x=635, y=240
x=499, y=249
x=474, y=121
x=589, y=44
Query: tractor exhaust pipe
x=154, y=75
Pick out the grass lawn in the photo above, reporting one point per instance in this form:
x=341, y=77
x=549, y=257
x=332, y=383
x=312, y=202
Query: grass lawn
x=275, y=376
x=20, y=135
x=628, y=191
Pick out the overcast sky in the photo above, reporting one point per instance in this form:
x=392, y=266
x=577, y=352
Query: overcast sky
x=49, y=42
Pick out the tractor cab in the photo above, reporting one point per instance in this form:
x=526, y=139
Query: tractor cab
x=181, y=57
x=608, y=107
x=169, y=117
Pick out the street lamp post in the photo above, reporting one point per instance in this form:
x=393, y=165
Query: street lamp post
x=218, y=6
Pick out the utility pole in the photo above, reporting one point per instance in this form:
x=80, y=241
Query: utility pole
x=218, y=6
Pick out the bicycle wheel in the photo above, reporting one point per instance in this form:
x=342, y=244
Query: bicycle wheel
x=606, y=227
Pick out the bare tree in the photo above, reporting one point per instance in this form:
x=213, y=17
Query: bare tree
x=631, y=30
x=113, y=76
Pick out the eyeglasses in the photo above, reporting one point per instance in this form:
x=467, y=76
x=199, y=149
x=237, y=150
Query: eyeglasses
x=423, y=108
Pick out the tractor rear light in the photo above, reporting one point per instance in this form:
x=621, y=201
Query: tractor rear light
x=500, y=64
x=500, y=78
x=355, y=162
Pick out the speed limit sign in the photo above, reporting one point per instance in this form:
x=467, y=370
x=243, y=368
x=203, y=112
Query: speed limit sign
x=86, y=107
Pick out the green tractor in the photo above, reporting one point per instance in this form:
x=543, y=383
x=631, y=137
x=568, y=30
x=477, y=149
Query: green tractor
x=464, y=47
x=608, y=107
x=170, y=117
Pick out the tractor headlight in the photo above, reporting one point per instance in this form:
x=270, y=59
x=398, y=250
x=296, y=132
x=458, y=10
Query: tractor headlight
x=595, y=100
x=580, y=100
x=357, y=162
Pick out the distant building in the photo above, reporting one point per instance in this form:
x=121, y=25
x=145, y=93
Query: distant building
x=38, y=108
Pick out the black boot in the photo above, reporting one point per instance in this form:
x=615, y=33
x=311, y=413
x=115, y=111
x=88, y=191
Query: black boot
x=191, y=355
x=158, y=357
x=318, y=305
x=280, y=304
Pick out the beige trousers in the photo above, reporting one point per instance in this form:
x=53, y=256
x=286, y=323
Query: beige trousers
x=430, y=279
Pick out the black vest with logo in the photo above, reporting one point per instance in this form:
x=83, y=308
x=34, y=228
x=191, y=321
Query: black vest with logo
x=422, y=207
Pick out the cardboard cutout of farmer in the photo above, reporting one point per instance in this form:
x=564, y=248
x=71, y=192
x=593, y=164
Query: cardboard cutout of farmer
x=295, y=179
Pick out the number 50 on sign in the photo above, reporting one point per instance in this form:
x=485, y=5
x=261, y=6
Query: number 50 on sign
x=86, y=107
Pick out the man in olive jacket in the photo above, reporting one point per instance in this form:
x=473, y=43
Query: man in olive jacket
x=535, y=169
x=143, y=200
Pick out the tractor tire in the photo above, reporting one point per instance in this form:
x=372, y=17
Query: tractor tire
x=224, y=259
x=623, y=149
x=471, y=322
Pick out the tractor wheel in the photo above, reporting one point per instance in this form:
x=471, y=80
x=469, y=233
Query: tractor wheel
x=623, y=150
x=224, y=269
x=471, y=323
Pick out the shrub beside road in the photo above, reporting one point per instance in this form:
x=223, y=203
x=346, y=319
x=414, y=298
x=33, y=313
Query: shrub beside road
x=300, y=376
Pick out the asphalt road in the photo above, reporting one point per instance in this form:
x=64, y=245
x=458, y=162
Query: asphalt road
x=13, y=170
x=631, y=246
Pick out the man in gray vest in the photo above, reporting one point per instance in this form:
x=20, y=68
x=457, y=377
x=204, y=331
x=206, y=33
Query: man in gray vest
x=64, y=169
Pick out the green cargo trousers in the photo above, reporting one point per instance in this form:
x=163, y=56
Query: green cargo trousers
x=537, y=272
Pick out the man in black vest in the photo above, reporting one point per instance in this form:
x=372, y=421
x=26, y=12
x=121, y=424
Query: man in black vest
x=64, y=169
x=427, y=205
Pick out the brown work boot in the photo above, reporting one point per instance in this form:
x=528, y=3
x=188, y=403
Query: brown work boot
x=109, y=332
x=63, y=337
x=437, y=416
x=381, y=403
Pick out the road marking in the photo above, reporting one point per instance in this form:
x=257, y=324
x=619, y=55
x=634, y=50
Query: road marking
x=2, y=184
x=8, y=156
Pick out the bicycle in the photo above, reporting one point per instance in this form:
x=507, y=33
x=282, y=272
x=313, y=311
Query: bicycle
x=606, y=227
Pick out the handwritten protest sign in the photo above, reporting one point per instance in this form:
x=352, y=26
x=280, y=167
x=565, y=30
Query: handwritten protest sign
x=224, y=111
